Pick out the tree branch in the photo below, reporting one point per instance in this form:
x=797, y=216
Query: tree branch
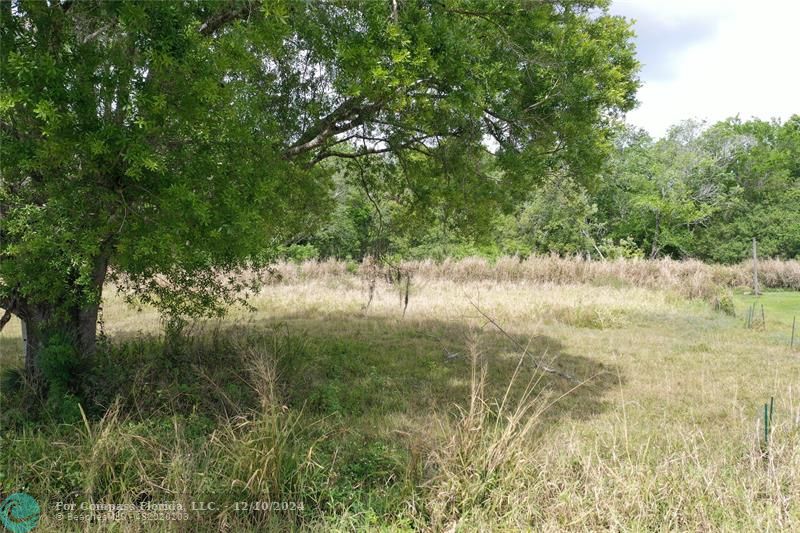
x=409, y=144
x=97, y=32
x=210, y=26
x=10, y=305
x=4, y=320
x=350, y=114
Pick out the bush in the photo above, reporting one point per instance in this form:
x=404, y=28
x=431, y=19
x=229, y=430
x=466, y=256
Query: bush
x=300, y=252
x=723, y=302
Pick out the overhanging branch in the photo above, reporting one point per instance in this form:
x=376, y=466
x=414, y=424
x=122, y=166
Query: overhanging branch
x=350, y=114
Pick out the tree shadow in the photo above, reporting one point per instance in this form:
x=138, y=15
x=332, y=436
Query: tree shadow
x=366, y=369
x=370, y=398
x=368, y=366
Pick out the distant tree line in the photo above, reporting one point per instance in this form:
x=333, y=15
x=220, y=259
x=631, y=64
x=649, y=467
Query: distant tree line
x=700, y=191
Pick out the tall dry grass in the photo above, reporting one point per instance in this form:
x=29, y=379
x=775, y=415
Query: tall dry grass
x=485, y=447
x=690, y=278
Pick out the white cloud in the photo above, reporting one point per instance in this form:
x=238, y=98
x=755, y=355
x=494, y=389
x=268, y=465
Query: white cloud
x=716, y=59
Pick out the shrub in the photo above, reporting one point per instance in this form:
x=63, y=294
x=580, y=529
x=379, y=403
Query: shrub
x=723, y=302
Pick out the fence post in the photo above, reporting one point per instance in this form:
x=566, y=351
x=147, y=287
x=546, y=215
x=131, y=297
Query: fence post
x=755, y=269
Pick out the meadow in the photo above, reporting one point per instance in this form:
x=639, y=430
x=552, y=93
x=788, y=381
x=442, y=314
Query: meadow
x=476, y=397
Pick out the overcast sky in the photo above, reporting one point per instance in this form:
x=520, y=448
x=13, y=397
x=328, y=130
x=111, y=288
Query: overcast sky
x=712, y=59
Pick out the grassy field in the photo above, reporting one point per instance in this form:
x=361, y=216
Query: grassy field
x=487, y=406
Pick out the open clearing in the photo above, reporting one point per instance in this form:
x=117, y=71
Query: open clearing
x=313, y=399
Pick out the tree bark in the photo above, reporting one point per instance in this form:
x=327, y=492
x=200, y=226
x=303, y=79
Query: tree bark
x=33, y=345
x=76, y=325
x=43, y=322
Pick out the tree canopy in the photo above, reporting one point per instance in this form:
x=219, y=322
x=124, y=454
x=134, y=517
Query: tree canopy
x=705, y=192
x=171, y=143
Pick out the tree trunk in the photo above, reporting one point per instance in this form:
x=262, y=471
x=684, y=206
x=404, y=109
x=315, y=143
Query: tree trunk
x=654, y=249
x=42, y=323
x=33, y=343
x=76, y=325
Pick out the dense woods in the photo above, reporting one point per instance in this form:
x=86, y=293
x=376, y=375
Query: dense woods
x=702, y=191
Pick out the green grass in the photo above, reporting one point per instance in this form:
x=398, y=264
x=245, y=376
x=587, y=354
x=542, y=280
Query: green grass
x=780, y=310
x=780, y=307
x=373, y=420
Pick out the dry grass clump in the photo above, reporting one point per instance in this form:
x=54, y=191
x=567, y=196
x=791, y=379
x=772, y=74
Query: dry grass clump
x=772, y=273
x=503, y=476
x=121, y=459
x=487, y=446
x=290, y=271
x=255, y=450
x=679, y=480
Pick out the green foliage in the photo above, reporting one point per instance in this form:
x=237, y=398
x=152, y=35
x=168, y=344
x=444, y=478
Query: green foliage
x=723, y=302
x=353, y=228
x=699, y=192
x=179, y=142
x=63, y=370
x=299, y=252
x=622, y=249
x=706, y=192
x=560, y=218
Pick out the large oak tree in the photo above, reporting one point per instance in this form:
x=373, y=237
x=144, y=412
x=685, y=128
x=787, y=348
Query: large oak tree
x=165, y=145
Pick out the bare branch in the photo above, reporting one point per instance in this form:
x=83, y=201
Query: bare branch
x=97, y=32
x=350, y=114
x=538, y=363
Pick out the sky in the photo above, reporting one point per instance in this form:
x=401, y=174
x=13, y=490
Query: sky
x=713, y=59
